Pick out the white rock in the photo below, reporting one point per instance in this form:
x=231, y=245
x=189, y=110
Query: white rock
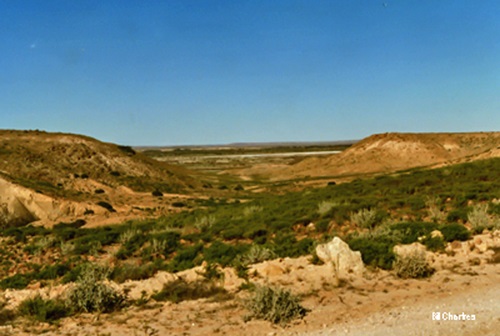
x=345, y=261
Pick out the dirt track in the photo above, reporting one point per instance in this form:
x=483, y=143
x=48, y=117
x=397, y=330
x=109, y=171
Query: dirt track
x=415, y=318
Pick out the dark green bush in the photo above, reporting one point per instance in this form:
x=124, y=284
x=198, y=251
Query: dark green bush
x=411, y=231
x=456, y=215
x=322, y=225
x=52, y=271
x=42, y=310
x=16, y=281
x=377, y=252
x=286, y=245
x=125, y=272
x=454, y=231
x=131, y=246
x=434, y=243
x=179, y=290
x=220, y=253
x=185, y=258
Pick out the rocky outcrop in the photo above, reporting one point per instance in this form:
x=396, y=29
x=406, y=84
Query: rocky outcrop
x=21, y=206
x=345, y=262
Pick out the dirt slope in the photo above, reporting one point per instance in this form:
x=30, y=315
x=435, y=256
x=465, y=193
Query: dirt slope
x=390, y=152
x=48, y=176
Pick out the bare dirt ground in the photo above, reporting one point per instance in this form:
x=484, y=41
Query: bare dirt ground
x=379, y=303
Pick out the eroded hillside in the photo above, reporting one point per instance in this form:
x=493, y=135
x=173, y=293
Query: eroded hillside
x=54, y=176
x=391, y=152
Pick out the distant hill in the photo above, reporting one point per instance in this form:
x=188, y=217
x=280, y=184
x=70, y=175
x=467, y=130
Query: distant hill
x=390, y=152
x=51, y=161
x=40, y=169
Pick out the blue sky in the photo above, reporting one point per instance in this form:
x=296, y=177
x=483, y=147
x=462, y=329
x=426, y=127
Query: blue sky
x=210, y=72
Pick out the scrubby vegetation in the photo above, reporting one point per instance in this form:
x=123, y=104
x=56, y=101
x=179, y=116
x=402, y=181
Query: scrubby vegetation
x=92, y=294
x=181, y=290
x=371, y=215
x=276, y=305
x=413, y=265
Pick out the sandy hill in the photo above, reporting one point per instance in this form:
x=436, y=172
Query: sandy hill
x=48, y=175
x=390, y=152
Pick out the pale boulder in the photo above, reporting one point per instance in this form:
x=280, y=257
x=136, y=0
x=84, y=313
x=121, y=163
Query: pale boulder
x=345, y=262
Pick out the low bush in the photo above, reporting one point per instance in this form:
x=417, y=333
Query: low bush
x=16, y=281
x=181, y=290
x=185, y=258
x=478, y=218
x=454, y=231
x=413, y=265
x=220, y=253
x=286, y=245
x=434, y=244
x=375, y=251
x=275, y=305
x=125, y=272
x=256, y=254
x=411, y=231
x=92, y=294
x=364, y=218
x=456, y=215
x=42, y=310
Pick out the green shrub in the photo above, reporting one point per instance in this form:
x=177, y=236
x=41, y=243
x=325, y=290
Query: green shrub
x=364, y=218
x=377, y=252
x=185, y=258
x=454, y=231
x=42, y=310
x=16, y=281
x=286, y=245
x=91, y=294
x=322, y=225
x=179, y=290
x=411, y=231
x=478, y=218
x=456, y=215
x=434, y=243
x=413, y=265
x=220, y=253
x=434, y=209
x=324, y=207
x=275, y=305
x=52, y=271
x=256, y=254
x=125, y=272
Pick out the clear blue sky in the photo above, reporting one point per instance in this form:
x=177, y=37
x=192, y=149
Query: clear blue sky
x=204, y=72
